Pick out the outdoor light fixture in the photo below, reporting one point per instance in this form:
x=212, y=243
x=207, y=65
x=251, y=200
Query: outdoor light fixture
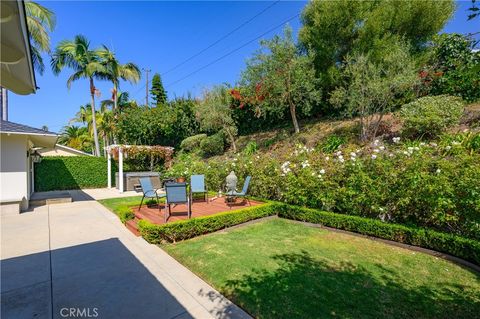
x=36, y=157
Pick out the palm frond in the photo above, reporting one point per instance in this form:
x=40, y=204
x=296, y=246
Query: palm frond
x=74, y=77
x=38, y=34
x=37, y=60
x=43, y=14
x=130, y=72
x=40, y=21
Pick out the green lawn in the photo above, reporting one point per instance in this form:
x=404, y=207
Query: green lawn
x=121, y=206
x=281, y=269
x=114, y=204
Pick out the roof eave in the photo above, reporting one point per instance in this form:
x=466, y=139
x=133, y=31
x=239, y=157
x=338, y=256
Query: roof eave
x=17, y=73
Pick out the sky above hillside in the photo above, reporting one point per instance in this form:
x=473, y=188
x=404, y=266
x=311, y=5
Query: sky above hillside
x=159, y=36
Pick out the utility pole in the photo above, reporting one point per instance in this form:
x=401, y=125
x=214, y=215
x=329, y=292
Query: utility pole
x=146, y=87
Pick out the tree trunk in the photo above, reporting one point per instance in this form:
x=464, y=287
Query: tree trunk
x=94, y=120
x=377, y=125
x=232, y=140
x=293, y=113
x=115, y=110
x=363, y=129
x=115, y=102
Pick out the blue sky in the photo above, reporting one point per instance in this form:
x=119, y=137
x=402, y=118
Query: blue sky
x=158, y=35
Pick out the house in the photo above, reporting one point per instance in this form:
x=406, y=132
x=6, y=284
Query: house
x=62, y=150
x=18, y=152
x=18, y=143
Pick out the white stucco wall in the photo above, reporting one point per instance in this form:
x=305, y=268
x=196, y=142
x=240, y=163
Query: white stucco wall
x=14, y=170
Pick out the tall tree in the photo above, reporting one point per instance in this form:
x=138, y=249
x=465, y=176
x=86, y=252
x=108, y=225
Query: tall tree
x=123, y=103
x=277, y=79
x=370, y=87
x=86, y=64
x=453, y=67
x=214, y=113
x=84, y=116
x=115, y=71
x=158, y=91
x=76, y=137
x=104, y=118
x=334, y=29
x=40, y=22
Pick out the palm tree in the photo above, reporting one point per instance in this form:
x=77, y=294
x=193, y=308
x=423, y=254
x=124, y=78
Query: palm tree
x=123, y=103
x=40, y=21
x=106, y=128
x=76, y=137
x=86, y=64
x=116, y=71
x=104, y=118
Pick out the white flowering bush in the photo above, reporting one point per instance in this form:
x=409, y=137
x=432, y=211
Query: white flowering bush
x=435, y=184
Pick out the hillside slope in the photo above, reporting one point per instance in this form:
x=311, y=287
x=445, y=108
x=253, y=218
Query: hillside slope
x=313, y=133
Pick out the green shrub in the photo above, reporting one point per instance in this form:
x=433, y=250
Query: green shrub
x=469, y=141
x=453, y=67
x=332, y=143
x=125, y=213
x=71, y=172
x=251, y=148
x=192, y=143
x=426, y=185
x=464, y=248
x=430, y=115
x=190, y=228
x=212, y=145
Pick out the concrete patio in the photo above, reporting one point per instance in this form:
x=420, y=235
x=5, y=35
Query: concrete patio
x=65, y=260
x=82, y=194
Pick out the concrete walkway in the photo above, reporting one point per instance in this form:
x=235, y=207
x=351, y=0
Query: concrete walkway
x=85, y=194
x=77, y=260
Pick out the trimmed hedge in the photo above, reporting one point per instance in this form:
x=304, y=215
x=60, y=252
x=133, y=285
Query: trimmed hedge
x=71, y=172
x=467, y=249
x=464, y=248
x=125, y=214
x=190, y=228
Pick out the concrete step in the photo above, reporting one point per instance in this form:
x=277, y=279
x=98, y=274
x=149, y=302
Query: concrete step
x=49, y=198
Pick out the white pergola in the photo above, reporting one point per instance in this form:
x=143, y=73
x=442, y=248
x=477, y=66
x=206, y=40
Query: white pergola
x=123, y=150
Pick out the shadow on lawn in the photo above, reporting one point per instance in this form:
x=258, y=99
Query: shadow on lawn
x=303, y=287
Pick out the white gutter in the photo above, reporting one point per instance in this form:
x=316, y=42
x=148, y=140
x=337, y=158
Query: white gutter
x=26, y=133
